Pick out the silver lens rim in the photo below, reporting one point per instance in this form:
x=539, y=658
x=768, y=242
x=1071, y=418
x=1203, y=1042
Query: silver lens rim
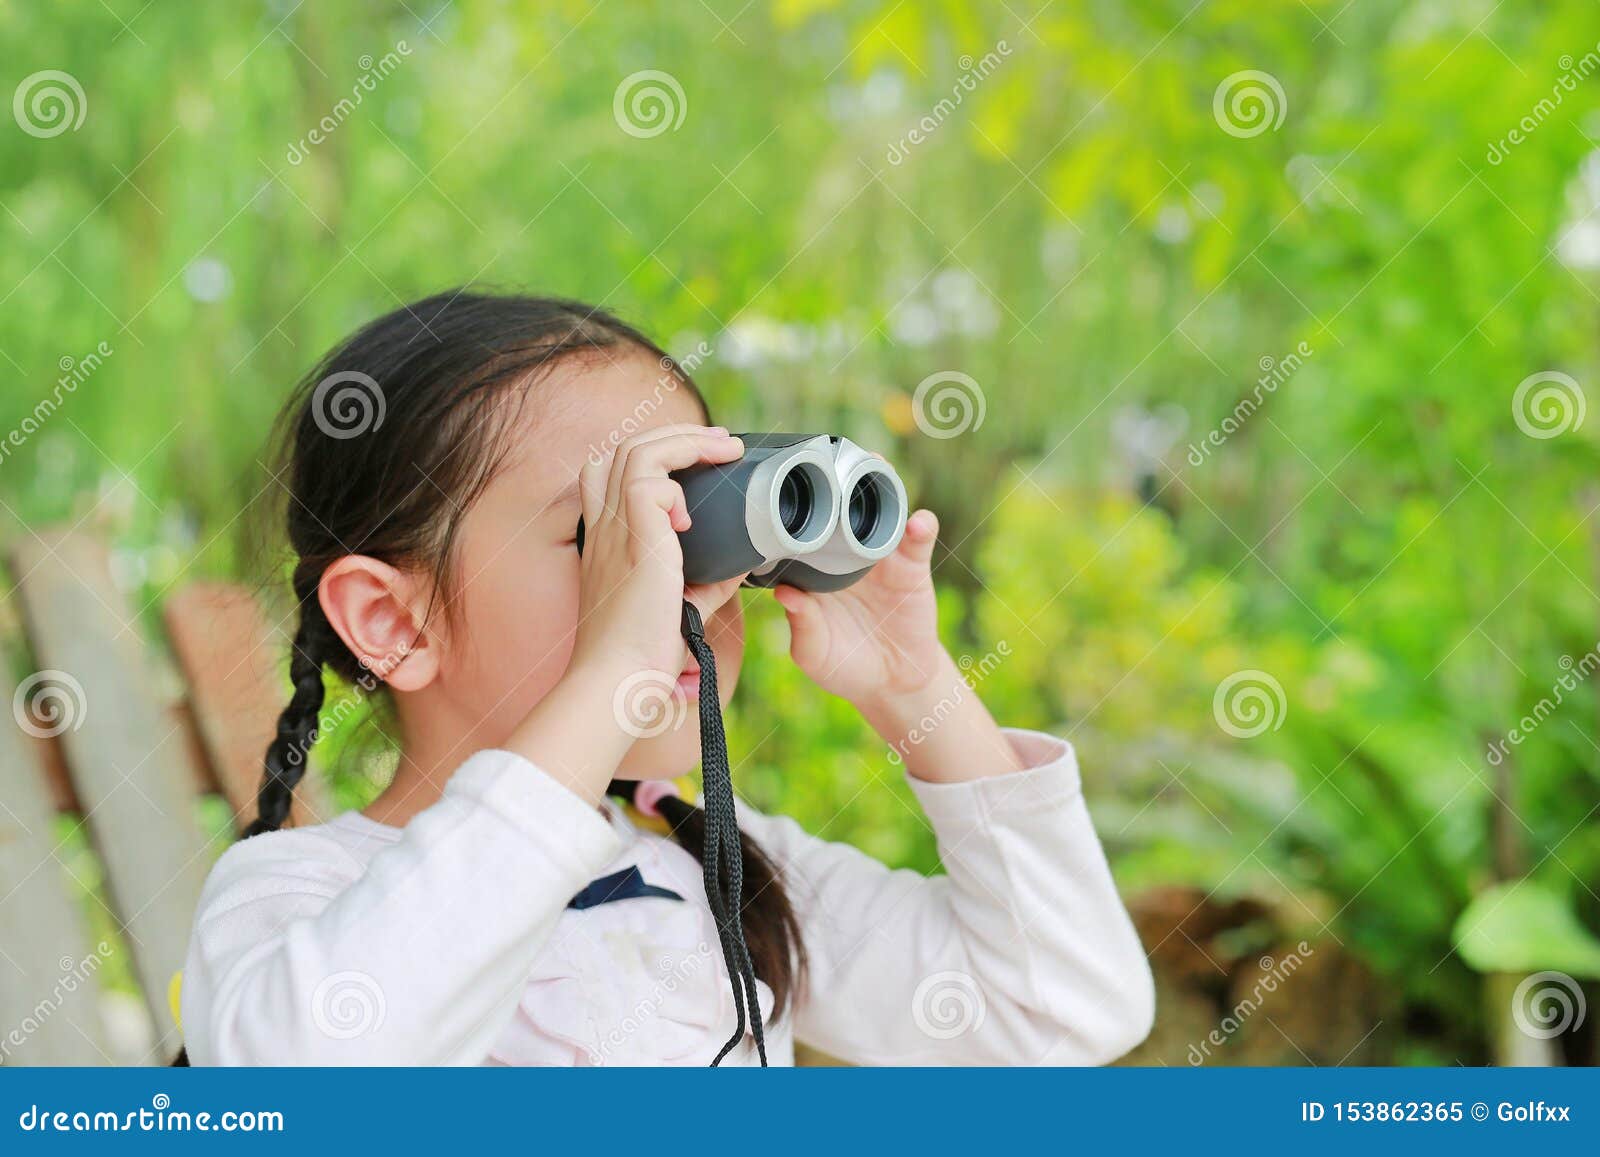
x=892, y=514
x=763, y=511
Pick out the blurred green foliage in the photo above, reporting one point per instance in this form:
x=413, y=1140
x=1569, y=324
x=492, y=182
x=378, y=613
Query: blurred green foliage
x=1080, y=234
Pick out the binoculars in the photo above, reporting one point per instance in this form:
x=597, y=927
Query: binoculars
x=814, y=511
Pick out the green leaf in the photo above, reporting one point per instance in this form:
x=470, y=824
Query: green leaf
x=1526, y=927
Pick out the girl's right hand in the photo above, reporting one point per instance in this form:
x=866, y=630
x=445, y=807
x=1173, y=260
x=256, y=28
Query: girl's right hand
x=631, y=595
x=630, y=602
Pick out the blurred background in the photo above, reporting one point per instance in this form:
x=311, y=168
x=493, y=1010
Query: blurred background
x=1244, y=350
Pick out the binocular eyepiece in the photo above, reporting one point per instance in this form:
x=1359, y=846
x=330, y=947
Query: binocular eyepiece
x=814, y=511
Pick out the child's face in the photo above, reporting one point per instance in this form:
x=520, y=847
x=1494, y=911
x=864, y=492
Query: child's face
x=514, y=604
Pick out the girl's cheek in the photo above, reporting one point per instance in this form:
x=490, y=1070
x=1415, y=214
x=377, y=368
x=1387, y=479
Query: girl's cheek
x=727, y=643
x=525, y=632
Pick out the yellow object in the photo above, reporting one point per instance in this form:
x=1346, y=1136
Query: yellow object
x=174, y=992
x=687, y=788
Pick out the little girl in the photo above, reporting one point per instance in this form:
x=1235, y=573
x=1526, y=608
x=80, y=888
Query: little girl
x=493, y=906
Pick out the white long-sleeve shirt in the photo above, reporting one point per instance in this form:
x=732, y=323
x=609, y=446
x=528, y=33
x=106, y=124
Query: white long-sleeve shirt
x=449, y=941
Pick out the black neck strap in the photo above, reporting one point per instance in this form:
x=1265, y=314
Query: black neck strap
x=723, y=861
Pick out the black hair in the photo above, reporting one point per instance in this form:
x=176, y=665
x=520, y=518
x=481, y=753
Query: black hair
x=426, y=389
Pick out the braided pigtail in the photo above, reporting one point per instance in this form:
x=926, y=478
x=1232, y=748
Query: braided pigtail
x=297, y=725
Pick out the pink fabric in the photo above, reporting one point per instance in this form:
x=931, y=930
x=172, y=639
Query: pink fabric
x=648, y=795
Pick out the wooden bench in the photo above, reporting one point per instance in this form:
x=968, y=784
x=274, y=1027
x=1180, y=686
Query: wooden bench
x=104, y=731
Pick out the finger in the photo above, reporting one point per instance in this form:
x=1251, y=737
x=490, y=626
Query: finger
x=922, y=532
x=680, y=451
x=644, y=497
x=625, y=450
x=709, y=598
x=808, y=629
x=592, y=490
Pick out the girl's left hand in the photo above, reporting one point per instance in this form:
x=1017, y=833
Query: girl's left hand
x=878, y=640
x=877, y=644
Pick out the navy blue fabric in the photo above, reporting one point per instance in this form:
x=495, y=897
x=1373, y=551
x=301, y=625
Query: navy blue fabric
x=624, y=885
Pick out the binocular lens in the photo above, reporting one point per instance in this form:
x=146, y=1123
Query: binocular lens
x=804, y=497
x=872, y=516
x=863, y=510
x=794, y=501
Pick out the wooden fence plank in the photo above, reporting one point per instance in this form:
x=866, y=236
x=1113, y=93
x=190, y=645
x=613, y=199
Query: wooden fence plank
x=230, y=653
x=49, y=990
x=128, y=758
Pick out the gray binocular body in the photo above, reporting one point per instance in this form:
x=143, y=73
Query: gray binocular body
x=813, y=511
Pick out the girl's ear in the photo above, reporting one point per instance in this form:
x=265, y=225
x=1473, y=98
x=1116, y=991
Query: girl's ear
x=379, y=613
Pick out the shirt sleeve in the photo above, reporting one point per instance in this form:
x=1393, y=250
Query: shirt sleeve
x=1022, y=953
x=302, y=954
